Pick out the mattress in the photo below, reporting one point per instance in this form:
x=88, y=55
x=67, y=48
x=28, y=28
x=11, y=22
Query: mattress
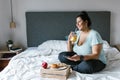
x=27, y=64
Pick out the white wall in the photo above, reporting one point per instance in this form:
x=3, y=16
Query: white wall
x=21, y=6
x=4, y=22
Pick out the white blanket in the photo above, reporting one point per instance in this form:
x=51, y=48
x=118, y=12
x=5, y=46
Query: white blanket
x=26, y=66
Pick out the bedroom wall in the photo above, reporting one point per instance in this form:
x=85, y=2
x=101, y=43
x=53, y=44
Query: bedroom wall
x=4, y=22
x=21, y=6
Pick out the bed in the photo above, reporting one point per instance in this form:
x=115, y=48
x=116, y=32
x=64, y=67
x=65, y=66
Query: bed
x=46, y=38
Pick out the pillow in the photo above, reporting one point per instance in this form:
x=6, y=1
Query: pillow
x=105, y=44
x=54, y=44
x=111, y=54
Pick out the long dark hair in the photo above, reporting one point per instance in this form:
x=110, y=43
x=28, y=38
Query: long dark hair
x=84, y=16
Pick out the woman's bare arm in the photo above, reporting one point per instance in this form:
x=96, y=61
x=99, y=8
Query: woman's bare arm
x=69, y=46
x=69, y=43
x=95, y=52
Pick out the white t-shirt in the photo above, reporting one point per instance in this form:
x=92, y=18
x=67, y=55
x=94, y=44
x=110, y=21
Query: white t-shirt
x=93, y=38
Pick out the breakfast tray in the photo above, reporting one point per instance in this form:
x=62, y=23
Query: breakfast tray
x=60, y=73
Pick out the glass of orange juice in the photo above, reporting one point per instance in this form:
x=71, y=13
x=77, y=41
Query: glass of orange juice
x=73, y=37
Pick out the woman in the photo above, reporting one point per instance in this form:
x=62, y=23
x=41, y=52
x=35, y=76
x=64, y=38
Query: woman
x=85, y=55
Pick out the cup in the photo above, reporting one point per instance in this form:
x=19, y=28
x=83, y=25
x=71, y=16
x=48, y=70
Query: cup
x=10, y=46
x=73, y=37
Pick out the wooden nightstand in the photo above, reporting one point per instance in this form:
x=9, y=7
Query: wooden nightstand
x=117, y=46
x=5, y=57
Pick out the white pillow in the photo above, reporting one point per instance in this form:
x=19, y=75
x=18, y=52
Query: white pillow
x=106, y=44
x=54, y=44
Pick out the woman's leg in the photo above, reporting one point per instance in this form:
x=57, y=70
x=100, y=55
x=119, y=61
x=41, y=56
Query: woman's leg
x=63, y=58
x=89, y=66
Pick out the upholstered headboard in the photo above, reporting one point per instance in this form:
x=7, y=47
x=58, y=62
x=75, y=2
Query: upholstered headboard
x=42, y=26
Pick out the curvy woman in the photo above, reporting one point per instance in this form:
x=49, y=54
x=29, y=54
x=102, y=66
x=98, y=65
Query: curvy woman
x=86, y=54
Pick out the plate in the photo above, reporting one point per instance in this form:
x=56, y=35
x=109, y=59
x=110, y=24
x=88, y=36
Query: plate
x=62, y=68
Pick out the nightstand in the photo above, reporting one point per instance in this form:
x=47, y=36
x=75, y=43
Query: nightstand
x=117, y=46
x=5, y=57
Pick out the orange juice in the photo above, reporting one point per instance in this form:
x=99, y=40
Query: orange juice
x=73, y=38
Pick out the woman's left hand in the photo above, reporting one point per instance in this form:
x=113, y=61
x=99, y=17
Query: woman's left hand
x=74, y=58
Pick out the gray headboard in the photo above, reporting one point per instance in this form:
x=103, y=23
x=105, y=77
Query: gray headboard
x=42, y=26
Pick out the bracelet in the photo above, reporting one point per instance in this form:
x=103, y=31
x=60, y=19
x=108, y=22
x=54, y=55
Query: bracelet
x=81, y=57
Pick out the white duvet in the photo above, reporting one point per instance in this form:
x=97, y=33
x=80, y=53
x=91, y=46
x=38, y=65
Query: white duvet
x=27, y=65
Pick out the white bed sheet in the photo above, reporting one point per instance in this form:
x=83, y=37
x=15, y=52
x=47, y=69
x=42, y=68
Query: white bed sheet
x=27, y=65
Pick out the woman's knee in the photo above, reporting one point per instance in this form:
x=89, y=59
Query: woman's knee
x=65, y=54
x=61, y=56
x=83, y=67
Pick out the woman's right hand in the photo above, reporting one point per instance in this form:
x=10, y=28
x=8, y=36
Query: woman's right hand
x=70, y=43
x=70, y=35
